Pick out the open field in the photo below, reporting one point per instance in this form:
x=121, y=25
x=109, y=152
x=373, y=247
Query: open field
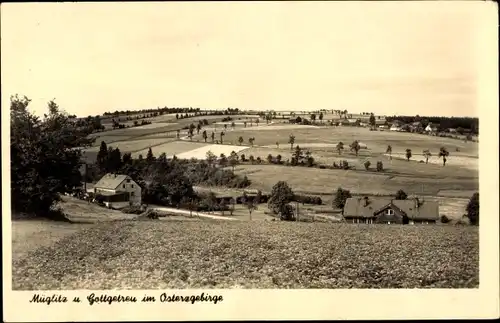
x=260, y=254
x=170, y=148
x=304, y=179
x=201, y=152
x=463, y=161
x=134, y=145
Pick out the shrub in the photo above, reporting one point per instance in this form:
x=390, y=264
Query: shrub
x=345, y=164
x=132, y=210
x=444, y=219
x=367, y=164
x=153, y=215
x=401, y=195
x=473, y=209
x=380, y=166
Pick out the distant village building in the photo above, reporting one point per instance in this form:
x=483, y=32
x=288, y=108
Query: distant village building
x=396, y=126
x=118, y=191
x=390, y=211
x=431, y=129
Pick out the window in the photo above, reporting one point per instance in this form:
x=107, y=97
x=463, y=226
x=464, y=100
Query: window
x=123, y=185
x=389, y=212
x=128, y=180
x=131, y=193
x=132, y=186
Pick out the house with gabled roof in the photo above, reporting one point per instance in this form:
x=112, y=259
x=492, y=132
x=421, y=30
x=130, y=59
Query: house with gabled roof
x=117, y=191
x=390, y=211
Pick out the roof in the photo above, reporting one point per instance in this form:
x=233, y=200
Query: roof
x=355, y=207
x=110, y=181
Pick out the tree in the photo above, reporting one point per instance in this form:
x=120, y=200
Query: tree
x=291, y=141
x=259, y=160
x=233, y=160
x=278, y=159
x=45, y=157
x=408, y=154
x=401, y=195
x=240, y=140
x=277, y=145
x=251, y=205
x=251, y=141
x=251, y=159
x=389, y=151
x=427, y=154
x=270, y=158
x=221, y=135
x=321, y=117
x=212, y=136
x=222, y=206
x=340, y=198
x=281, y=195
x=340, y=147
x=233, y=124
x=198, y=128
x=243, y=157
x=297, y=156
x=114, y=162
x=102, y=157
x=372, y=120
x=222, y=160
x=178, y=133
x=313, y=117
x=355, y=147
x=211, y=158
x=473, y=209
x=380, y=166
x=150, y=157
x=367, y=165
x=443, y=152
x=204, y=135
x=245, y=124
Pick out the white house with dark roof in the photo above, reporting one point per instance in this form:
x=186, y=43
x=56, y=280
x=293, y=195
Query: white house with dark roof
x=118, y=191
x=390, y=211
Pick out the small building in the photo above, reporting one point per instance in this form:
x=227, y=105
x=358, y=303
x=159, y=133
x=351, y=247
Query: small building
x=431, y=129
x=118, y=191
x=390, y=211
x=395, y=127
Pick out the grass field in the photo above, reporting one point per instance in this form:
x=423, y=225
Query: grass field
x=260, y=254
x=170, y=148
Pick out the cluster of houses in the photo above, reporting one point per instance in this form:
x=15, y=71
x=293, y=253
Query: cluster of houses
x=118, y=191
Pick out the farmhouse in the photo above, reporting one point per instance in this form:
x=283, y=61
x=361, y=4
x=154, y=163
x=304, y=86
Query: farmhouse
x=118, y=191
x=384, y=210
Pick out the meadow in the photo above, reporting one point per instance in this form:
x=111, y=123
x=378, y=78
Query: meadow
x=262, y=254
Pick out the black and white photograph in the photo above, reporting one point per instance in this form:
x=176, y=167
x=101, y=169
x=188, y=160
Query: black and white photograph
x=246, y=145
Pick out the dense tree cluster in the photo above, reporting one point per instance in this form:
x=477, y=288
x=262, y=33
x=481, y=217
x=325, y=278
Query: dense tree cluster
x=45, y=156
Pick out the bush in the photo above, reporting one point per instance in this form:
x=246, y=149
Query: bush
x=367, y=164
x=132, y=210
x=153, y=215
x=380, y=166
x=401, y=195
x=444, y=219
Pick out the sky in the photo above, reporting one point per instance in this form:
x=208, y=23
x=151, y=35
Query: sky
x=402, y=58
